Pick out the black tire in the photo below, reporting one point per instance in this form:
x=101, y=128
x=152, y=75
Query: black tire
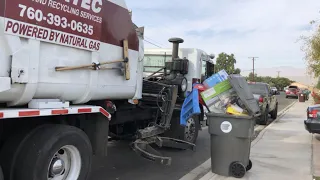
x=237, y=170
x=37, y=152
x=10, y=149
x=1, y=174
x=287, y=97
x=274, y=113
x=180, y=132
x=264, y=117
x=249, y=166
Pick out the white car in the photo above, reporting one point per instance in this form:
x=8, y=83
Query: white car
x=274, y=90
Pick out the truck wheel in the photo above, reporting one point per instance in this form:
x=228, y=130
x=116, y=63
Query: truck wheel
x=187, y=133
x=54, y=152
x=191, y=130
x=274, y=113
x=264, y=118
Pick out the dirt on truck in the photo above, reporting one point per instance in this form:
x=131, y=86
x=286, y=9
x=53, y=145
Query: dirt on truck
x=73, y=76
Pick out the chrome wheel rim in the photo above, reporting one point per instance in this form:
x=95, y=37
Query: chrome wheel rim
x=65, y=164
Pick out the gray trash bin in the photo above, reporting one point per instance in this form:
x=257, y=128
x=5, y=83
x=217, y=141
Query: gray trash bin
x=230, y=143
x=231, y=135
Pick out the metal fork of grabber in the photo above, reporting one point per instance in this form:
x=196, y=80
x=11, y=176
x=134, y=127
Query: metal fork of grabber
x=143, y=148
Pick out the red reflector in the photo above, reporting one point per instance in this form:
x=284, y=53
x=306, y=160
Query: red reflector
x=1, y=115
x=29, y=113
x=313, y=113
x=104, y=112
x=84, y=110
x=261, y=99
x=59, y=111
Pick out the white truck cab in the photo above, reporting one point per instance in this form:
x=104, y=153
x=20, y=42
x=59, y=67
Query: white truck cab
x=155, y=58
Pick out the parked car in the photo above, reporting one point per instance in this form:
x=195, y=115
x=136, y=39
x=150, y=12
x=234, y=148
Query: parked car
x=312, y=124
x=292, y=91
x=274, y=90
x=268, y=102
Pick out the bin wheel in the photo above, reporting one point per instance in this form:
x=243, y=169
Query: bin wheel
x=249, y=165
x=237, y=170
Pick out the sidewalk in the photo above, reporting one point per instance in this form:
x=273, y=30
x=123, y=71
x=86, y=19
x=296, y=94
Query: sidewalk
x=316, y=155
x=283, y=151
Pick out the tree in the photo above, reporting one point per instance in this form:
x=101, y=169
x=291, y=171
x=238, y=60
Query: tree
x=251, y=78
x=279, y=82
x=226, y=62
x=237, y=71
x=311, y=48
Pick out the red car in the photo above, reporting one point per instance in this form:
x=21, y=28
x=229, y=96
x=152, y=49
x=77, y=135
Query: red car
x=292, y=91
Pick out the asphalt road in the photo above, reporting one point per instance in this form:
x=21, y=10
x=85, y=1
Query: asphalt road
x=124, y=164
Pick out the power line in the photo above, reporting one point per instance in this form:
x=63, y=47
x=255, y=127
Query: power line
x=152, y=43
x=253, y=59
x=246, y=70
x=156, y=42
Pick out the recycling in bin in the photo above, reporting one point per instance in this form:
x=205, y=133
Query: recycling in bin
x=232, y=113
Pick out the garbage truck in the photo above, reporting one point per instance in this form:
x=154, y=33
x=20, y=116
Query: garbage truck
x=72, y=77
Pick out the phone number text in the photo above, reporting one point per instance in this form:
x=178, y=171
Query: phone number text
x=52, y=19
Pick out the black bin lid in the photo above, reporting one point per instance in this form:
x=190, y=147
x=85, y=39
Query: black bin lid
x=243, y=90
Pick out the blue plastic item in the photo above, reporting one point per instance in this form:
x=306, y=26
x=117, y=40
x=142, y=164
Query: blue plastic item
x=190, y=106
x=216, y=79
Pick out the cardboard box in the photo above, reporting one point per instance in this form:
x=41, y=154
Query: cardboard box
x=218, y=97
x=216, y=79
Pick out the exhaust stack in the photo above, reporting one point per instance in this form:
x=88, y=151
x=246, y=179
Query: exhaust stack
x=175, y=46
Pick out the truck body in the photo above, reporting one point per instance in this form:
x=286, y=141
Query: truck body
x=72, y=76
x=31, y=49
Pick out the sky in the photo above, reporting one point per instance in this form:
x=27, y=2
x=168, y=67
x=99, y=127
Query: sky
x=268, y=29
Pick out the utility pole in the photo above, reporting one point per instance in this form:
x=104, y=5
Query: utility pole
x=278, y=73
x=253, y=59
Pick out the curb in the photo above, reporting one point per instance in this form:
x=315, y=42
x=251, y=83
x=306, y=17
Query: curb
x=204, y=168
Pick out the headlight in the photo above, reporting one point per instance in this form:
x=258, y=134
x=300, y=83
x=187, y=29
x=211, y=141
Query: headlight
x=184, y=85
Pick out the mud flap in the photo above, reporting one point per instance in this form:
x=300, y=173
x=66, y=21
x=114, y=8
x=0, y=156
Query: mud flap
x=144, y=148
